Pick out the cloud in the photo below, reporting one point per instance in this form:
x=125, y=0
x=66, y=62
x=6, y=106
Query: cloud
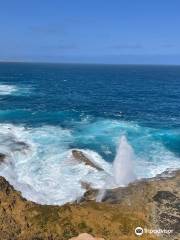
x=67, y=47
x=59, y=47
x=127, y=46
x=48, y=29
x=168, y=45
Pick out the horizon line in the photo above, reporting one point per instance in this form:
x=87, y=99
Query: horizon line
x=89, y=63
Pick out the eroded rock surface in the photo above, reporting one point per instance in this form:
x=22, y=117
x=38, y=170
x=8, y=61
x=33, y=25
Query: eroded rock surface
x=80, y=156
x=150, y=204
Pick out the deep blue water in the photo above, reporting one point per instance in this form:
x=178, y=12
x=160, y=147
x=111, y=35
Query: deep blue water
x=96, y=104
x=149, y=95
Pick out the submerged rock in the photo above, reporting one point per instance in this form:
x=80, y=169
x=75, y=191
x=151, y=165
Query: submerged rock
x=86, y=185
x=90, y=194
x=13, y=146
x=2, y=158
x=20, y=146
x=80, y=156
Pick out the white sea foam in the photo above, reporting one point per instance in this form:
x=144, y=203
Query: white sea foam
x=45, y=172
x=6, y=89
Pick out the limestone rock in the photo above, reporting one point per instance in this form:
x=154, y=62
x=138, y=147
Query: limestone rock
x=153, y=204
x=80, y=156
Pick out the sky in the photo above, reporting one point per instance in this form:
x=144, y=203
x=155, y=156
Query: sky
x=90, y=31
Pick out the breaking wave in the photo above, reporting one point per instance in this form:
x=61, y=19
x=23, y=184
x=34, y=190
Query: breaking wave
x=40, y=164
x=7, y=89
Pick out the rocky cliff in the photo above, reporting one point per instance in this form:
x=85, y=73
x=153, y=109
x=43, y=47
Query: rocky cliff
x=152, y=204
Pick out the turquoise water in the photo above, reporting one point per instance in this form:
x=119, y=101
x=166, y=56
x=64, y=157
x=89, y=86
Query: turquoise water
x=55, y=108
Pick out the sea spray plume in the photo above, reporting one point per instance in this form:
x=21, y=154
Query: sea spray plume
x=123, y=171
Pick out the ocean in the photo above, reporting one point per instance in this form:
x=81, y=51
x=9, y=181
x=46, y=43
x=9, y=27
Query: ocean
x=46, y=110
